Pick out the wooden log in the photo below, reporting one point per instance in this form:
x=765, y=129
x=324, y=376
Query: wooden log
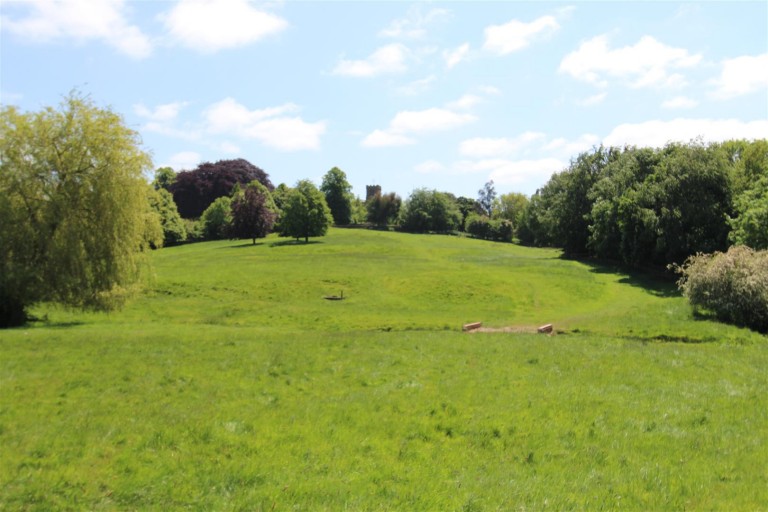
x=472, y=326
x=545, y=329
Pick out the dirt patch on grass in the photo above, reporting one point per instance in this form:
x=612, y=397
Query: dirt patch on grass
x=515, y=329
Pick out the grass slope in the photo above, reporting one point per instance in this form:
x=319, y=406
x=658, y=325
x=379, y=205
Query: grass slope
x=232, y=385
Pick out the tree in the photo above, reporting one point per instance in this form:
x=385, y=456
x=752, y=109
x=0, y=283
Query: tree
x=750, y=226
x=74, y=215
x=305, y=212
x=164, y=178
x=253, y=212
x=338, y=195
x=162, y=203
x=429, y=210
x=383, y=208
x=467, y=206
x=486, y=197
x=510, y=207
x=216, y=219
x=193, y=191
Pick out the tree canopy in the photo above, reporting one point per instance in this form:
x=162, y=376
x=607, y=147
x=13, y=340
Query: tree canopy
x=253, y=212
x=429, y=210
x=338, y=195
x=305, y=213
x=194, y=191
x=74, y=215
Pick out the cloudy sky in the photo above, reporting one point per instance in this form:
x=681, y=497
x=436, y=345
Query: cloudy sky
x=444, y=95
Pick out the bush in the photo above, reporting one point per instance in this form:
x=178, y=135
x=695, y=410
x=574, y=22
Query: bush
x=480, y=226
x=733, y=285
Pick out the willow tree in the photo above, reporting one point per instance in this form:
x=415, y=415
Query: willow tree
x=75, y=219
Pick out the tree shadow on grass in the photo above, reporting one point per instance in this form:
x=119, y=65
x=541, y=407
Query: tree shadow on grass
x=289, y=243
x=243, y=245
x=654, y=281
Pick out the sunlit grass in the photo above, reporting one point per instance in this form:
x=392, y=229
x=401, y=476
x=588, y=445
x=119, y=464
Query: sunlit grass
x=232, y=385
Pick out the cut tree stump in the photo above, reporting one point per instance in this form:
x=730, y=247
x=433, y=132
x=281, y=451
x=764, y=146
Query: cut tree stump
x=545, y=329
x=472, y=326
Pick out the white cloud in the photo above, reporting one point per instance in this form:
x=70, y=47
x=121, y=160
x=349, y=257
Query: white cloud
x=657, y=133
x=648, y=63
x=466, y=102
x=453, y=57
x=387, y=59
x=382, y=139
x=511, y=172
x=680, y=102
x=417, y=86
x=489, y=90
x=429, y=167
x=742, y=75
x=184, y=160
x=568, y=148
x=516, y=35
x=429, y=120
x=414, y=25
x=228, y=147
x=485, y=147
x=161, y=113
x=270, y=126
x=81, y=20
x=593, y=100
x=212, y=25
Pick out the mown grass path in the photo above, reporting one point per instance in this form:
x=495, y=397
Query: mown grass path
x=232, y=385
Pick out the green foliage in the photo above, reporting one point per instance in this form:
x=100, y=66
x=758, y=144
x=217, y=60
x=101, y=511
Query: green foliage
x=74, y=214
x=467, y=206
x=511, y=207
x=305, y=213
x=164, y=178
x=480, y=226
x=639, y=206
x=216, y=219
x=174, y=230
x=429, y=211
x=338, y=195
x=383, y=209
x=750, y=225
x=732, y=285
x=486, y=199
x=359, y=211
x=253, y=212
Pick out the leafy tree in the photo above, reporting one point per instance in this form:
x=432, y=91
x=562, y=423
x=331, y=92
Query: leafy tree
x=429, y=210
x=74, y=214
x=164, y=178
x=305, y=212
x=359, y=211
x=467, y=206
x=486, y=197
x=750, y=226
x=510, y=207
x=162, y=203
x=193, y=191
x=338, y=195
x=253, y=212
x=383, y=209
x=216, y=219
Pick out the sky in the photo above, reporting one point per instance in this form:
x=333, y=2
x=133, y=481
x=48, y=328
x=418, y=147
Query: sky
x=442, y=95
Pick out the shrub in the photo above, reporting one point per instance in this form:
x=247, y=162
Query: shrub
x=479, y=226
x=733, y=285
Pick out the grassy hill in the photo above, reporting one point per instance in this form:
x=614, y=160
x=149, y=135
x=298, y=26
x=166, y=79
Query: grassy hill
x=232, y=385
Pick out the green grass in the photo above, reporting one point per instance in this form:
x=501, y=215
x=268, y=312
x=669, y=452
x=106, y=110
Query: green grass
x=232, y=385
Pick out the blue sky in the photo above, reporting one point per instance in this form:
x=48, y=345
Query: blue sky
x=444, y=95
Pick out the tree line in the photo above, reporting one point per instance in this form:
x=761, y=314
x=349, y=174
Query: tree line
x=77, y=216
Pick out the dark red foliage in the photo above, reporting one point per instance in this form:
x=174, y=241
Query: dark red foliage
x=193, y=191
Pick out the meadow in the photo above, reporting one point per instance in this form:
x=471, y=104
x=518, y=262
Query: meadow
x=231, y=384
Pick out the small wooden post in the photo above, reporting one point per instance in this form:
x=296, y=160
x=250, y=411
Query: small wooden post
x=472, y=326
x=545, y=329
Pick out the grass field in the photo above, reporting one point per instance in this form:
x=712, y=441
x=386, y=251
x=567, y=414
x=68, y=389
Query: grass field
x=230, y=384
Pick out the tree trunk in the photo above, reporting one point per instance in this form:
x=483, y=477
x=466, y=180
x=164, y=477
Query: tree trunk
x=12, y=313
